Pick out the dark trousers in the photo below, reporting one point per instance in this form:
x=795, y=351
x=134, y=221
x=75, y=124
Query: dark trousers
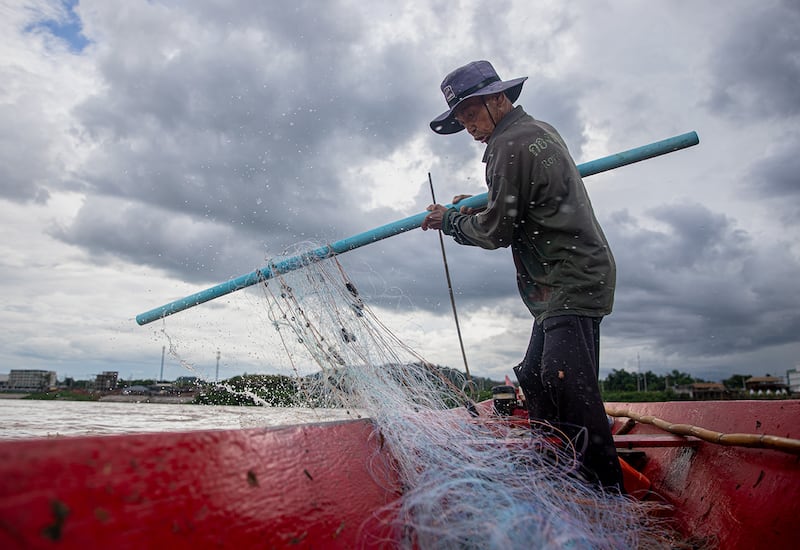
x=559, y=379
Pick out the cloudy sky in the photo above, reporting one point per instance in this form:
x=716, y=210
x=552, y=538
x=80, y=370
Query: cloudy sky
x=151, y=149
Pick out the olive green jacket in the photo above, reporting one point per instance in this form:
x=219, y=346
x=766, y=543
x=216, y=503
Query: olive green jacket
x=538, y=205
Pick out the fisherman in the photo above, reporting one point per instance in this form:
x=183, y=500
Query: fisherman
x=538, y=205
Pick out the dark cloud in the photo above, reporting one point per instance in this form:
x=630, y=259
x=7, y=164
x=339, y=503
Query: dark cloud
x=700, y=286
x=250, y=128
x=26, y=165
x=212, y=137
x=201, y=250
x=415, y=263
x=251, y=131
x=756, y=70
x=774, y=180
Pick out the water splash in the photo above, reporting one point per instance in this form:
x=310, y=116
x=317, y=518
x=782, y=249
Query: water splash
x=468, y=482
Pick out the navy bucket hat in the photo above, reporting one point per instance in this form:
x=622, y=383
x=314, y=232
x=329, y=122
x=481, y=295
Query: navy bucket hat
x=474, y=79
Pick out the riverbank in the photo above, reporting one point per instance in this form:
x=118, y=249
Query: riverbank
x=176, y=399
x=184, y=399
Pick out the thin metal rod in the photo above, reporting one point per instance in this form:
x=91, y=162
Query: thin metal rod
x=452, y=297
x=604, y=164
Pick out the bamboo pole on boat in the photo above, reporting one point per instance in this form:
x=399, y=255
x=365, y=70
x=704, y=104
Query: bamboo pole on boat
x=604, y=164
x=764, y=441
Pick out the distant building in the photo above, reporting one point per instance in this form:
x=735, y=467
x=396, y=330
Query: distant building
x=29, y=380
x=702, y=391
x=793, y=380
x=3, y=382
x=765, y=385
x=106, y=381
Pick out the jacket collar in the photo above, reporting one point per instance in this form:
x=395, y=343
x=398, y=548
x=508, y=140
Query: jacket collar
x=505, y=123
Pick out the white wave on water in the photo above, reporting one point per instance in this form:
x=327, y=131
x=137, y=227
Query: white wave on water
x=22, y=418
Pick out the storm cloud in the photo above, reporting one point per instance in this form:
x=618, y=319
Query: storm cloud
x=151, y=149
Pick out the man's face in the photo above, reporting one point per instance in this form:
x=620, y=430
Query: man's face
x=474, y=116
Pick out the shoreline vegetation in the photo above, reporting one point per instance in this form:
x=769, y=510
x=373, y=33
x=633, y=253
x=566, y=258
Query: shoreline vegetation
x=284, y=391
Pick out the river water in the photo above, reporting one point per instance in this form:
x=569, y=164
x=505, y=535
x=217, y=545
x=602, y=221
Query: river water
x=22, y=418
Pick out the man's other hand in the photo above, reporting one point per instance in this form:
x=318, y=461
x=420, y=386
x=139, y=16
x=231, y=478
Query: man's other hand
x=434, y=219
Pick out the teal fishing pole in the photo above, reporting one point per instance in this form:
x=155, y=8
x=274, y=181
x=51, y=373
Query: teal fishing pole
x=604, y=164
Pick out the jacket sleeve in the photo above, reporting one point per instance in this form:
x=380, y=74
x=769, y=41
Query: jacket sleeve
x=491, y=228
x=494, y=226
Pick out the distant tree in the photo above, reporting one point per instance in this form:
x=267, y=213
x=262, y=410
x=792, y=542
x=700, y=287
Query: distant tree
x=653, y=382
x=275, y=390
x=677, y=378
x=187, y=381
x=143, y=382
x=620, y=380
x=736, y=382
x=624, y=381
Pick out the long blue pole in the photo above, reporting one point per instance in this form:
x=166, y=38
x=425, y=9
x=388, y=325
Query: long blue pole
x=401, y=226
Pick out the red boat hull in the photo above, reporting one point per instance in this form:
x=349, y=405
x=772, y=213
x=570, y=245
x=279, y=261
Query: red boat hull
x=329, y=485
x=726, y=496
x=300, y=487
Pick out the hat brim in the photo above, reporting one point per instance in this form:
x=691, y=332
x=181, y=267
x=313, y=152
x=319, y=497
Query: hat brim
x=447, y=124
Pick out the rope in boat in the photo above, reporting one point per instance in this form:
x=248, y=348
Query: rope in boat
x=765, y=441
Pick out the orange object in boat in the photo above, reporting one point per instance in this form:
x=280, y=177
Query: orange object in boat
x=636, y=483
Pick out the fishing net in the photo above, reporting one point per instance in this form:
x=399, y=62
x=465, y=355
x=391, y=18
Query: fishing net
x=468, y=481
